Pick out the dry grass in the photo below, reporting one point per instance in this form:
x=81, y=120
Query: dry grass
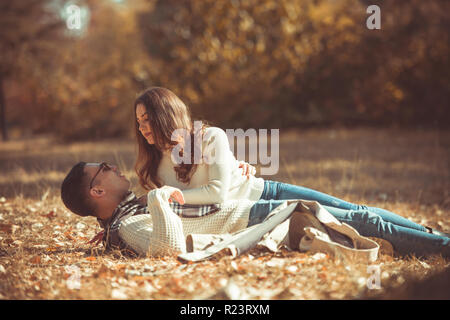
x=41, y=243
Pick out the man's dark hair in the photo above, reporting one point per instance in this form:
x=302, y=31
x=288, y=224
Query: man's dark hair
x=75, y=191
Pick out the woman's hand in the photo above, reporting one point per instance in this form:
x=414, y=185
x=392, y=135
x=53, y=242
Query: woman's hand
x=172, y=194
x=247, y=169
x=177, y=195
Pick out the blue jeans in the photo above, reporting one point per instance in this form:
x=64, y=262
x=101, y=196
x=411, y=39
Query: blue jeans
x=405, y=236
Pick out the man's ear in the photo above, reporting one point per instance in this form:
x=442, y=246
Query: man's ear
x=97, y=192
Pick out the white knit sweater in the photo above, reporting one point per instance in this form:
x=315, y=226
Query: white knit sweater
x=220, y=180
x=163, y=232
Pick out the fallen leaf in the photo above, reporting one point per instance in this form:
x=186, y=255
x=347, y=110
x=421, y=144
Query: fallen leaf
x=178, y=281
x=80, y=226
x=149, y=288
x=35, y=260
x=292, y=269
x=6, y=227
x=118, y=294
x=49, y=215
x=91, y=258
x=36, y=226
x=103, y=271
x=275, y=262
x=120, y=267
x=36, y=286
x=69, y=235
x=139, y=278
x=261, y=277
x=234, y=292
x=319, y=256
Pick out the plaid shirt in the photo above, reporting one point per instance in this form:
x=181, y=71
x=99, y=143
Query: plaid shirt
x=131, y=206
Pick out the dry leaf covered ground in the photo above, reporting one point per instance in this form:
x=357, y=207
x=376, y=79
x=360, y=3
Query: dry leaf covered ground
x=44, y=252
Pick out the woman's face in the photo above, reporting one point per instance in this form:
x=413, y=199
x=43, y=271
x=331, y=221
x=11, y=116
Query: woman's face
x=144, y=123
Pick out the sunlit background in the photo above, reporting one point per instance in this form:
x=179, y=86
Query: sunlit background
x=255, y=63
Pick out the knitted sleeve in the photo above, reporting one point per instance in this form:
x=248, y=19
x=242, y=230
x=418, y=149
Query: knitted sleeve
x=218, y=156
x=164, y=235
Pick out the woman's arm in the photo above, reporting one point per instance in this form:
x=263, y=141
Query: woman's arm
x=166, y=236
x=220, y=159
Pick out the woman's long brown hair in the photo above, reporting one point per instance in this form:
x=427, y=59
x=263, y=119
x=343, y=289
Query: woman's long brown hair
x=166, y=113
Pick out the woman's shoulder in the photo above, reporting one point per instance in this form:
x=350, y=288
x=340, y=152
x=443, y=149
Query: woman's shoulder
x=215, y=137
x=214, y=132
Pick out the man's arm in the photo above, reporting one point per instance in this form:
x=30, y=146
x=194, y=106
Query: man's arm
x=166, y=236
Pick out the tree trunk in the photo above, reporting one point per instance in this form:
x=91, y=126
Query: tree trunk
x=3, y=111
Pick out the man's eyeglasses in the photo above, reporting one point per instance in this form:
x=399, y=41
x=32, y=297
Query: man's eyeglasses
x=103, y=167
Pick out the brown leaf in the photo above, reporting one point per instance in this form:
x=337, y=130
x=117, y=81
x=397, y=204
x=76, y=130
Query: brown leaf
x=49, y=215
x=261, y=276
x=6, y=227
x=139, y=279
x=35, y=260
x=68, y=235
x=120, y=267
x=103, y=271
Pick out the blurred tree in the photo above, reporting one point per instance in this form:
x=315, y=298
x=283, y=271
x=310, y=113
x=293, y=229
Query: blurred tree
x=27, y=28
x=301, y=62
x=254, y=63
x=409, y=80
x=89, y=88
x=99, y=76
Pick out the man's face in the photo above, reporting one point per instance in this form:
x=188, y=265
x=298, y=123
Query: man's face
x=107, y=178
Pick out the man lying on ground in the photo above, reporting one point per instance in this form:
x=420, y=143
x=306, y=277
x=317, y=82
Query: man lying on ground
x=159, y=225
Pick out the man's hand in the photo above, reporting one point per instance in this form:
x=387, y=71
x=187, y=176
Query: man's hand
x=247, y=169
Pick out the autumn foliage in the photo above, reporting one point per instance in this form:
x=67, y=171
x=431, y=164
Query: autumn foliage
x=256, y=63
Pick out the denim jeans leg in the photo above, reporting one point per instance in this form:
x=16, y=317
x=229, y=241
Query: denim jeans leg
x=283, y=191
x=406, y=241
x=261, y=209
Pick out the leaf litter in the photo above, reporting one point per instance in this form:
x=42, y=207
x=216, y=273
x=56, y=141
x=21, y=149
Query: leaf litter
x=34, y=258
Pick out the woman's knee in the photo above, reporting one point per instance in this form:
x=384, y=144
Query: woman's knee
x=365, y=217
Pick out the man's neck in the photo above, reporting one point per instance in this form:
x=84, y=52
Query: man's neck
x=108, y=207
x=106, y=212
